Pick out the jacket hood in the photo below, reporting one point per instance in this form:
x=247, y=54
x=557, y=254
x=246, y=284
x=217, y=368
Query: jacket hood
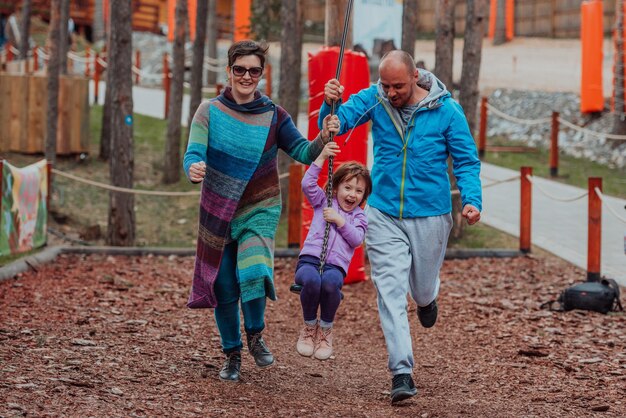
x=260, y=104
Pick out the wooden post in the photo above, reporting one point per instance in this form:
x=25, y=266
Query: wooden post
x=96, y=78
x=525, y=210
x=1, y=191
x=594, y=234
x=166, y=84
x=554, y=146
x=87, y=66
x=36, y=59
x=268, y=79
x=49, y=184
x=482, y=132
x=138, y=65
x=218, y=88
x=9, y=51
x=70, y=60
x=296, y=171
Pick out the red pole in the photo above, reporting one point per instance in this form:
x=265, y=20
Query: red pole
x=525, y=210
x=49, y=184
x=554, y=146
x=482, y=133
x=96, y=78
x=166, y=84
x=87, y=66
x=218, y=88
x=294, y=225
x=1, y=191
x=594, y=234
x=9, y=52
x=36, y=59
x=137, y=64
x=268, y=79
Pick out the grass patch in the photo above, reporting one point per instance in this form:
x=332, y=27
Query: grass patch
x=572, y=171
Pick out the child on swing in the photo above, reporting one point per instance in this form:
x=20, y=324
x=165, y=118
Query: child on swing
x=351, y=187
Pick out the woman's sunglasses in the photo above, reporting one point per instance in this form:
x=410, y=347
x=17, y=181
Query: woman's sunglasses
x=239, y=71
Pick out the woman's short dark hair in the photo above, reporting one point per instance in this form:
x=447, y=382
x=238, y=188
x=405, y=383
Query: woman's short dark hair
x=246, y=47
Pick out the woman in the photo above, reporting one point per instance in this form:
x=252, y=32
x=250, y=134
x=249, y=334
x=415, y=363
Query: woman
x=232, y=149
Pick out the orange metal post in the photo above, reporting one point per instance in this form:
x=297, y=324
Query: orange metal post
x=493, y=12
x=482, y=132
x=166, y=84
x=509, y=16
x=96, y=78
x=594, y=234
x=525, y=210
x=87, y=65
x=296, y=171
x=241, y=20
x=554, y=145
x=592, y=38
x=268, y=79
x=137, y=64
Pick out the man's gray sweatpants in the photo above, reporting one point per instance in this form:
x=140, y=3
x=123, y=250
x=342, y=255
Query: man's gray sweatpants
x=405, y=257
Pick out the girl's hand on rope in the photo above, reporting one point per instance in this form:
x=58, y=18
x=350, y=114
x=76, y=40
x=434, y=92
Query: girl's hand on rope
x=197, y=171
x=471, y=213
x=331, y=216
x=332, y=91
x=330, y=124
x=332, y=148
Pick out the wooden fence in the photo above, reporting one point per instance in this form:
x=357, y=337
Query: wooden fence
x=23, y=108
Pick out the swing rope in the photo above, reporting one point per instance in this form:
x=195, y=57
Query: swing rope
x=331, y=159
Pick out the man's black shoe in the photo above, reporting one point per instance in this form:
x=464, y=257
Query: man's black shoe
x=402, y=387
x=428, y=314
x=231, y=368
x=256, y=346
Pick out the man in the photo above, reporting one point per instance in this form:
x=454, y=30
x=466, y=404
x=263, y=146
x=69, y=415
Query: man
x=416, y=125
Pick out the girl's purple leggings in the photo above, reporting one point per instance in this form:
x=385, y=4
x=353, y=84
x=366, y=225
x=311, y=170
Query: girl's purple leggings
x=323, y=291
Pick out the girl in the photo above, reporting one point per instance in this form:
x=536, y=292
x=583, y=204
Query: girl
x=351, y=186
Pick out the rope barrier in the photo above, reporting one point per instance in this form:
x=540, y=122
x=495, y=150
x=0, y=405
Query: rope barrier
x=590, y=132
x=136, y=70
x=551, y=196
x=601, y=196
x=123, y=189
x=495, y=182
x=517, y=120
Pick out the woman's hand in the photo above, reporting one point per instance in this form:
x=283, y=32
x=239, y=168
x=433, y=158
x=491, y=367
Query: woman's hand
x=332, y=148
x=331, y=215
x=197, y=171
x=330, y=124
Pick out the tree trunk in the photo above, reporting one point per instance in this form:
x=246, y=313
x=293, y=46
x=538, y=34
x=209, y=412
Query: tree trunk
x=335, y=15
x=212, y=41
x=472, y=54
x=444, y=41
x=409, y=26
x=64, y=36
x=499, y=36
x=468, y=98
x=172, y=169
x=25, y=30
x=619, y=99
x=121, y=228
x=198, y=59
x=290, y=74
x=52, y=112
x=98, y=22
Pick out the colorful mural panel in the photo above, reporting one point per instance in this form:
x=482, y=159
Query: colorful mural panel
x=23, y=214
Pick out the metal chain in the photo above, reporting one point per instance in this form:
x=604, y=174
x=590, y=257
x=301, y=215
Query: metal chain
x=331, y=159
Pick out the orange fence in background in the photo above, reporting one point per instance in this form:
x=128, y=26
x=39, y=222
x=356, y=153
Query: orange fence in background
x=591, y=37
x=242, y=20
x=509, y=18
x=171, y=18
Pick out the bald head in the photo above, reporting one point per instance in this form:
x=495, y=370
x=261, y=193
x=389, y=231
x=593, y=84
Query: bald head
x=396, y=58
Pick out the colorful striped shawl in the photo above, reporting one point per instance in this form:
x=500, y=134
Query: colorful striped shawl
x=240, y=192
